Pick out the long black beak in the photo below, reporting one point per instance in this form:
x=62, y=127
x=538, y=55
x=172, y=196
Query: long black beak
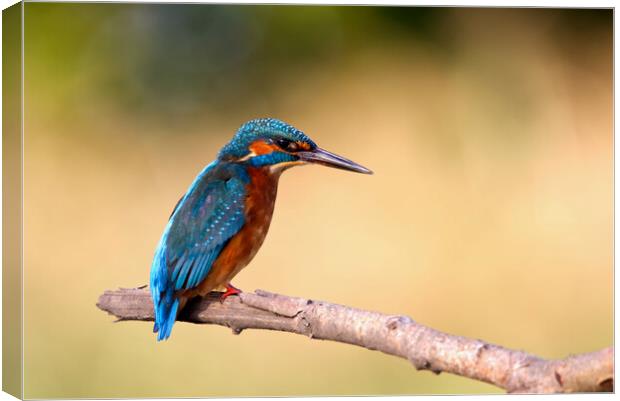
x=321, y=156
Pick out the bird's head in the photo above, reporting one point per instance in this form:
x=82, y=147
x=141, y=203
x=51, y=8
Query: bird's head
x=271, y=143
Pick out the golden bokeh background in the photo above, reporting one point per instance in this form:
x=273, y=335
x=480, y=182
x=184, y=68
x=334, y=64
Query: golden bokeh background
x=489, y=215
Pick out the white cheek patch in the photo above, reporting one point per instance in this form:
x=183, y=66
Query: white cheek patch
x=248, y=156
x=276, y=168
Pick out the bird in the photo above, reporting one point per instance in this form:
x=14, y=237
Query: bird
x=219, y=224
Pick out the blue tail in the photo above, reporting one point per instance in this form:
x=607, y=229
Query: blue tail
x=165, y=316
x=166, y=305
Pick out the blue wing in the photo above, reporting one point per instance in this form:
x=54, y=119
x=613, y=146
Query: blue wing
x=210, y=213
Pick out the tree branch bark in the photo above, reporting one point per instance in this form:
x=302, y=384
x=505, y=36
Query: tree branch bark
x=426, y=348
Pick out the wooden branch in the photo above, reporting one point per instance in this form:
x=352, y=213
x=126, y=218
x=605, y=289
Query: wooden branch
x=426, y=348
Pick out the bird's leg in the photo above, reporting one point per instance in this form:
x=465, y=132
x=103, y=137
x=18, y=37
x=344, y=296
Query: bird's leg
x=230, y=290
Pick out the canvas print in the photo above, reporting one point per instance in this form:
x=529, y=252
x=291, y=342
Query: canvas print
x=225, y=200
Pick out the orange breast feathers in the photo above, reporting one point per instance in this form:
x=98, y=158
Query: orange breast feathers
x=241, y=248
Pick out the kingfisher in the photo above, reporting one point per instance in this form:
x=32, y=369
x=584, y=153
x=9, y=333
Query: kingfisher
x=217, y=227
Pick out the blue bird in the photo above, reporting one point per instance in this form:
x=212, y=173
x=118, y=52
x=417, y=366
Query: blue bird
x=220, y=223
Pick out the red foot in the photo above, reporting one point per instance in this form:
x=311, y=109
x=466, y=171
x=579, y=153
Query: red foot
x=230, y=290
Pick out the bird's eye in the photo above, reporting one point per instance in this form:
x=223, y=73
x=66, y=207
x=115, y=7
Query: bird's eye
x=287, y=145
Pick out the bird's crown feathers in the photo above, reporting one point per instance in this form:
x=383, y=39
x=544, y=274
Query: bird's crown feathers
x=262, y=128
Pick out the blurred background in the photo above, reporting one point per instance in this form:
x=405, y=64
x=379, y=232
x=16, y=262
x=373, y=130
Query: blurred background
x=489, y=214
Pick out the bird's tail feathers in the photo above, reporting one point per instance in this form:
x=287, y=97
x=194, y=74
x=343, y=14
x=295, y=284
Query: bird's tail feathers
x=166, y=305
x=165, y=316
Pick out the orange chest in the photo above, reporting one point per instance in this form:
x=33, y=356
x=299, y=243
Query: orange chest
x=260, y=199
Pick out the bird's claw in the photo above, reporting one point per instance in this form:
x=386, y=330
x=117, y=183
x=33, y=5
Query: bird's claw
x=230, y=290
